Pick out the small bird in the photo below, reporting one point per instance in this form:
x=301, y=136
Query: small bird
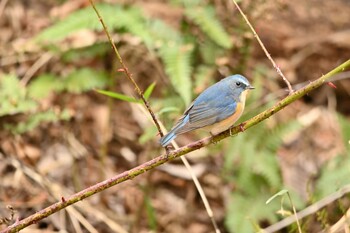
x=216, y=109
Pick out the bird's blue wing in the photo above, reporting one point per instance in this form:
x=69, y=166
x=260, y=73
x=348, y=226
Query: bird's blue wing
x=205, y=113
x=213, y=105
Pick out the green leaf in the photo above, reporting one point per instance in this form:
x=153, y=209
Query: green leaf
x=13, y=99
x=205, y=18
x=280, y=193
x=149, y=91
x=119, y=96
x=168, y=109
x=78, y=20
x=177, y=59
x=36, y=119
x=88, y=52
x=334, y=175
x=203, y=77
x=162, y=34
x=245, y=211
x=148, y=134
x=84, y=80
x=114, y=16
x=209, y=51
x=151, y=213
x=43, y=85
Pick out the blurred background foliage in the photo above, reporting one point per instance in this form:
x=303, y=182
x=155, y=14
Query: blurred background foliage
x=175, y=49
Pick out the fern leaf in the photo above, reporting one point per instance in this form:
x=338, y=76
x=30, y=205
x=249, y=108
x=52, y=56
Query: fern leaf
x=81, y=19
x=209, y=51
x=267, y=166
x=84, y=80
x=205, y=18
x=241, y=218
x=115, y=17
x=43, y=85
x=335, y=172
x=177, y=59
x=13, y=98
x=162, y=34
x=35, y=119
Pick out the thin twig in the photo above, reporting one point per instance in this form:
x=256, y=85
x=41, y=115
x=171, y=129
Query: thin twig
x=126, y=70
x=35, y=67
x=198, y=187
x=279, y=71
x=132, y=173
x=295, y=212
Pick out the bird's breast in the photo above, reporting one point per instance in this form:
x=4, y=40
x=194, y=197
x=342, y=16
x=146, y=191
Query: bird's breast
x=228, y=122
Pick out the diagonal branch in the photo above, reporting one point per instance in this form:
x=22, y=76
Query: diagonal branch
x=132, y=173
x=279, y=71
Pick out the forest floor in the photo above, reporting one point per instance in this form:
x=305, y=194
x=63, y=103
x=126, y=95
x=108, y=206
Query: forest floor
x=306, y=38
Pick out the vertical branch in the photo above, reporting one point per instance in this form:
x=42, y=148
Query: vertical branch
x=264, y=49
x=126, y=70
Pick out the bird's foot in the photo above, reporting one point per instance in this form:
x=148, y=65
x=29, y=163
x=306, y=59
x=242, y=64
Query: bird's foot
x=231, y=132
x=168, y=149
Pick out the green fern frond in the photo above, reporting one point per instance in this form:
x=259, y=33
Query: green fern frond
x=13, y=97
x=274, y=140
x=345, y=127
x=335, y=172
x=203, y=77
x=162, y=34
x=244, y=212
x=43, y=85
x=266, y=165
x=209, y=51
x=187, y=3
x=177, y=60
x=35, y=119
x=85, y=79
x=81, y=19
x=205, y=18
x=115, y=17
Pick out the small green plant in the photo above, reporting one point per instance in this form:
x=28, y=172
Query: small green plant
x=18, y=99
x=282, y=194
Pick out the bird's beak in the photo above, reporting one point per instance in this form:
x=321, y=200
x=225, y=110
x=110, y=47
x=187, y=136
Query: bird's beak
x=250, y=87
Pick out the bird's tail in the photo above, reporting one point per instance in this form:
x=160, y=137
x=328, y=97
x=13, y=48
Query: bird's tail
x=164, y=141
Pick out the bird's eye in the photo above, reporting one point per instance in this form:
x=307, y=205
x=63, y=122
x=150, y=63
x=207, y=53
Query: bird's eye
x=238, y=84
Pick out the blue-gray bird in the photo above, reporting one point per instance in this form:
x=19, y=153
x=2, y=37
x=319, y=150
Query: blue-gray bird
x=216, y=109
